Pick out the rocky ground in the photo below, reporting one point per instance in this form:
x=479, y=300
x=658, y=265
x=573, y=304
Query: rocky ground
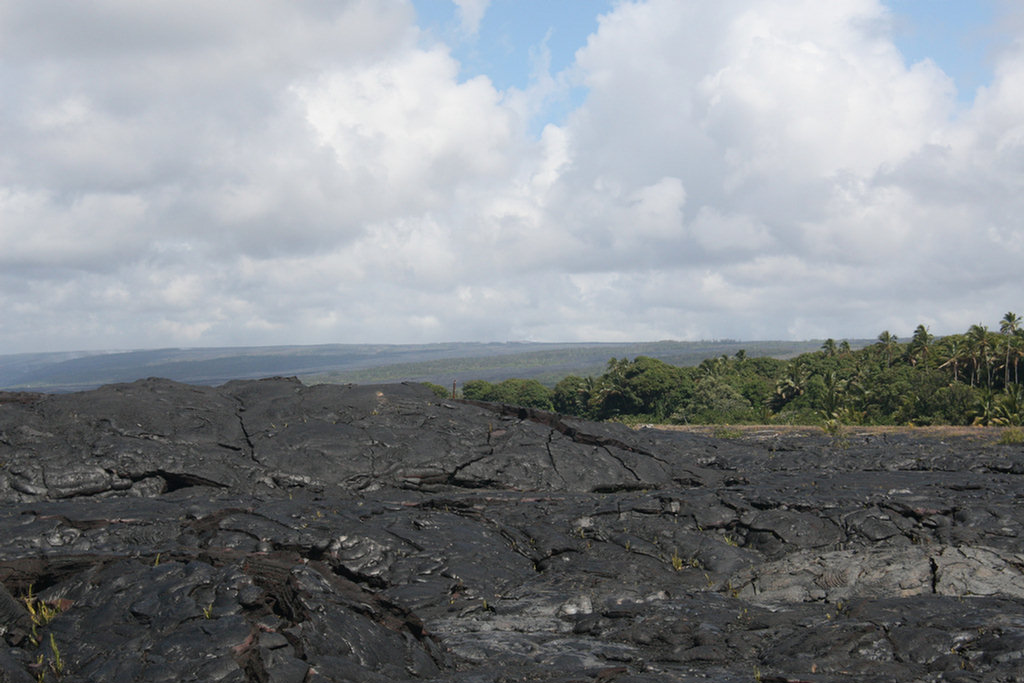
x=268, y=531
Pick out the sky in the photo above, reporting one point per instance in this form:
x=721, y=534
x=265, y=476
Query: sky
x=189, y=173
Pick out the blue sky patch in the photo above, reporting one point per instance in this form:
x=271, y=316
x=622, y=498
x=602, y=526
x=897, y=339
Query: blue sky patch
x=958, y=35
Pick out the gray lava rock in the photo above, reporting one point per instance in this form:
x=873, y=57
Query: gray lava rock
x=267, y=531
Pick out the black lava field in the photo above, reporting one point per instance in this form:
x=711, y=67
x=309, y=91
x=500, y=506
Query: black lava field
x=272, y=532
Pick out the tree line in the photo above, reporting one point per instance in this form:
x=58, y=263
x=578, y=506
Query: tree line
x=959, y=379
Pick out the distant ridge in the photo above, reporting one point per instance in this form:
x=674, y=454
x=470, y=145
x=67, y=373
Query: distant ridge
x=363, y=363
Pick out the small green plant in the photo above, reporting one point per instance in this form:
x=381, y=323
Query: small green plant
x=834, y=428
x=677, y=561
x=1011, y=436
x=726, y=432
x=40, y=612
x=208, y=611
x=57, y=663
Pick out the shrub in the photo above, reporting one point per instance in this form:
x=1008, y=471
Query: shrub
x=1012, y=436
x=439, y=390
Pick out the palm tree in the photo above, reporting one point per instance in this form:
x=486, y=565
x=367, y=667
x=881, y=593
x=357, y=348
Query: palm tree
x=1008, y=327
x=956, y=353
x=985, y=408
x=1017, y=343
x=834, y=397
x=1010, y=409
x=981, y=351
x=613, y=395
x=888, y=342
x=919, y=344
x=792, y=384
x=712, y=367
x=829, y=347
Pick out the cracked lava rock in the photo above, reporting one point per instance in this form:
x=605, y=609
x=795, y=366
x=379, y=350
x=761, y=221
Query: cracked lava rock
x=268, y=531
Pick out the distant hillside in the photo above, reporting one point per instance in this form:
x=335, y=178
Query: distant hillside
x=361, y=363
x=549, y=363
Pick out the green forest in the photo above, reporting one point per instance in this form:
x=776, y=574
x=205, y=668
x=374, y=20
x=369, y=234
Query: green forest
x=960, y=379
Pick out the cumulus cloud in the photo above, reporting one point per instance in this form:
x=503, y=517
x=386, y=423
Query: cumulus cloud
x=471, y=13
x=198, y=173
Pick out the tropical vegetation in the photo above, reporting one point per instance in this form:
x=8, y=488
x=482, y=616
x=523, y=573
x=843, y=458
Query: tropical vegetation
x=960, y=379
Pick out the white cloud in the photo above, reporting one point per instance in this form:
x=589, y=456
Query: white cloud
x=82, y=233
x=471, y=13
x=231, y=173
x=407, y=130
x=715, y=232
x=657, y=209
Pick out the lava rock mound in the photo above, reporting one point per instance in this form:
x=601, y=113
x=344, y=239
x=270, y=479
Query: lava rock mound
x=268, y=531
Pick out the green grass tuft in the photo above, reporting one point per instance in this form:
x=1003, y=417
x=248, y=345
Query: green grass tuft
x=1011, y=436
